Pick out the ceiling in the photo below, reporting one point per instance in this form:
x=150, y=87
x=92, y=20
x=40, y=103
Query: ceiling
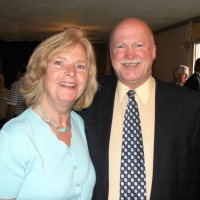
x=35, y=20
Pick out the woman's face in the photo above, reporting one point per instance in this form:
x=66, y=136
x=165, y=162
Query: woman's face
x=66, y=76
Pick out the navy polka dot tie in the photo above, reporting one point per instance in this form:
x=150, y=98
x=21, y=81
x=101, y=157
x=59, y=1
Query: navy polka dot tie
x=132, y=177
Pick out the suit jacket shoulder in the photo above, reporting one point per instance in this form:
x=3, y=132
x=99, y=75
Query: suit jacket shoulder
x=193, y=82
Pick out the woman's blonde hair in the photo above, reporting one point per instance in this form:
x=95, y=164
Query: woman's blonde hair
x=37, y=66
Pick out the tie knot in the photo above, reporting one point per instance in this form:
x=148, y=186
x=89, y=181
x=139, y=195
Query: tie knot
x=131, y=93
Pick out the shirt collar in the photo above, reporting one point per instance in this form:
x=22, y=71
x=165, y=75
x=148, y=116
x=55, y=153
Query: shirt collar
x=142, y=92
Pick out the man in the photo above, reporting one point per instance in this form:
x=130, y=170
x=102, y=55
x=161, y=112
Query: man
x=181, y=74
x=170, y=122
x=194, y=81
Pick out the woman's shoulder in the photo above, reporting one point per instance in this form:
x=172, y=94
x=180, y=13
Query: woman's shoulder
x=19, y=123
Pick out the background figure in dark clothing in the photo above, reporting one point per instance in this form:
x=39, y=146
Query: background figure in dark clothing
x=194, y=81
x=16, y=102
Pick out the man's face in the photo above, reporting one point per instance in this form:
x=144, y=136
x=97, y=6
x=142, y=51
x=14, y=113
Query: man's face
x=132, y=53
x=183, y=77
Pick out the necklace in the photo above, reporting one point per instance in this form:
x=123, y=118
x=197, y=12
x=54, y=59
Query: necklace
x=60, y=130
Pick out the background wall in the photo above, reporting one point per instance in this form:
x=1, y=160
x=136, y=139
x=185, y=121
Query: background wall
x=170, y=52
x=13, y=56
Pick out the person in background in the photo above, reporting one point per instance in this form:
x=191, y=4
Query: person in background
x=43, y=151
x=170, y=124
x=181, y=74
x=16, y=102
x=4, y=92
x=193, y=82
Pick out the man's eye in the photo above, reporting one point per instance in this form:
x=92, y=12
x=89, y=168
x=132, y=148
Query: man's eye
x=138, y=45
x=119, y=46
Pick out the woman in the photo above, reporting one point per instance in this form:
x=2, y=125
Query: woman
x=43, y=152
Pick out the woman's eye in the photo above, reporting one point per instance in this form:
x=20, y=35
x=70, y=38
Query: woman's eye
x=138, y=45
x=58, y=63
x=80, y=66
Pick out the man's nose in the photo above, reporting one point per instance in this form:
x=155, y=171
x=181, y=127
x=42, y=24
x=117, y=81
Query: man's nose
x=130, y=53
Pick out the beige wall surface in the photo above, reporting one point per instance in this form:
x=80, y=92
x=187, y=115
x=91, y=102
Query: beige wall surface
x=170, y=52
x=195, y=31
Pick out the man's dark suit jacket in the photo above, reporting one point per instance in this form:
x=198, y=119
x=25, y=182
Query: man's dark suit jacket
x=176, y=167
x=193, y=82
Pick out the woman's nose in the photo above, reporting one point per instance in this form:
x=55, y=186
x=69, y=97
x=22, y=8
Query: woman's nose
x=70, y=71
